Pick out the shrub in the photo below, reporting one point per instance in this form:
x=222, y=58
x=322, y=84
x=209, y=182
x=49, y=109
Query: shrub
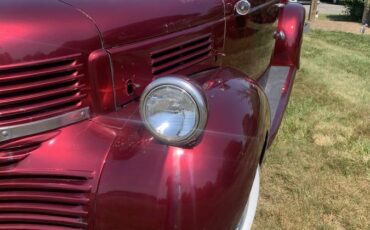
x=354, y=8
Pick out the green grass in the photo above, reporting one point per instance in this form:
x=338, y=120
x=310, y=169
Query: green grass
x=336, y=17
x=317, y=173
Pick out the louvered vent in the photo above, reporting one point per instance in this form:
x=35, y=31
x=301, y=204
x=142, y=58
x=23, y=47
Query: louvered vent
x=36, y=90
x=44, y=200
x=181, y=56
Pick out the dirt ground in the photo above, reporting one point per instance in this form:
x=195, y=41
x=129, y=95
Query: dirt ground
x=332, y=17
x=327, y=8
x=350, y=27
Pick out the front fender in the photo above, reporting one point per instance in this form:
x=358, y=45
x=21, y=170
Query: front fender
x=148, y=185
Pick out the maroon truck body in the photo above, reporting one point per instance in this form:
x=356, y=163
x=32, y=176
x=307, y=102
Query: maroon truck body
x=74, y=152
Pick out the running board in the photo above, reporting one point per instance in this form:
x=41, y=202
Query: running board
x=277, y=83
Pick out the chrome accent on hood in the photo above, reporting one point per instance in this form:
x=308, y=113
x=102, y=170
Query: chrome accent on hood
x=17, y=131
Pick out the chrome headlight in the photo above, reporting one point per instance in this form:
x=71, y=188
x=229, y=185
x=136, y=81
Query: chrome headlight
x=174, y=110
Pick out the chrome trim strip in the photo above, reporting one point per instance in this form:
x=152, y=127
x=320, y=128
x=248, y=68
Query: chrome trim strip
x=27, y=129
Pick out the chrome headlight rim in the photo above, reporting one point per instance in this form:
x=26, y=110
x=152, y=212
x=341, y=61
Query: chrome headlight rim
x=197, y=96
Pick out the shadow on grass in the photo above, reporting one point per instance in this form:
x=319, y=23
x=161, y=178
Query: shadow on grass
x=341, y=17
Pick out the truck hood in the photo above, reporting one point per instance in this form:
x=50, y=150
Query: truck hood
x=38, y=30
x=127, y=21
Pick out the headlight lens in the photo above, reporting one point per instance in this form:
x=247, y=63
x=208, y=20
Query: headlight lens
x=173, y=110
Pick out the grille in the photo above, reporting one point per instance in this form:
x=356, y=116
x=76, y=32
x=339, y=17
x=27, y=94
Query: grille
x=36, y=90
x=44, y=200
x=181, y=56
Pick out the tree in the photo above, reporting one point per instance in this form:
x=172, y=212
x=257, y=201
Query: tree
x=313, y=10
x=366, y=14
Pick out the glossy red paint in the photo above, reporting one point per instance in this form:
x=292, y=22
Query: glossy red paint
x=291, y=22
x=134, y=62
x=287, y=53
x=147, y=185
x=108, y=170
x=79, y=149
x=101, y=78
x=123, y=22
x=14, y=151
x=249, y=41
x=31, y=32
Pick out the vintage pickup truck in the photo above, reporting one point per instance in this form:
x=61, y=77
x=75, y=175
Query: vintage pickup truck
x=140, y=114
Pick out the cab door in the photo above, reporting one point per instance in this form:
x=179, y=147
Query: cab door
x=250, y=41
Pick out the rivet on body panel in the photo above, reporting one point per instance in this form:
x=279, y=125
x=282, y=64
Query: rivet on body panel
x=4, y=133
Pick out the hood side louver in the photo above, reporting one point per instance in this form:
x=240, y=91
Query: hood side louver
x=44, y=200
x=37, y=90
x=181, y=56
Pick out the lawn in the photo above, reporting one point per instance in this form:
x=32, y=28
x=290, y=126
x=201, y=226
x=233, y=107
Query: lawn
x=317, y=173
x=336, y=17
